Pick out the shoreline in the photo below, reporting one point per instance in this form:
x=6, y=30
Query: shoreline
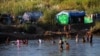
x=13, y=36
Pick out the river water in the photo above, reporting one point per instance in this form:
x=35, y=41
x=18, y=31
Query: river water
x=46, y=48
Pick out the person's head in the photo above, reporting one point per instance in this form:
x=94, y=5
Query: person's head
x=67, y=43
x=60, y=38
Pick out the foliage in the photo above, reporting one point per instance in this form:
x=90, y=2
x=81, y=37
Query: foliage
x=49, y=7
x=48, y=19
x=29, y=28
x=97, y=26
x=18, y=6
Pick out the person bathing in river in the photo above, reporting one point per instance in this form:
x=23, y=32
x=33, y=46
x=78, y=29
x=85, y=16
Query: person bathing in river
x=77, y=38
x=18, y=42
x=83, y=40
x=67, y=46
x=25, y=41
x=7, y=40
x=90, y=38
x=87, y=36
x=40, y=41
x=61, y=44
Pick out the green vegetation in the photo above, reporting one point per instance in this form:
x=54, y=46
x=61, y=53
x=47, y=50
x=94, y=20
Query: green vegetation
x=49, y=8
x=19, y=6
x=96, y=28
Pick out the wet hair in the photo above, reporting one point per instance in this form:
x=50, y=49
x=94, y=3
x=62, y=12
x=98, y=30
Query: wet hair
x=67, y=43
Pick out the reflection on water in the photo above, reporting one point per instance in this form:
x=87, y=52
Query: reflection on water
x=46, y=48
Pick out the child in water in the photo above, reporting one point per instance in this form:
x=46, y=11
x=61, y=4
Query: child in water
x=67, y=46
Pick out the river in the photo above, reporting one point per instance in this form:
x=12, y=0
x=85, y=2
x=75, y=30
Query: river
x=46, y=48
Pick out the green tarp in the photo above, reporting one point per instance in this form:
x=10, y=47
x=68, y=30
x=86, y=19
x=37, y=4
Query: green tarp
x=88, y=20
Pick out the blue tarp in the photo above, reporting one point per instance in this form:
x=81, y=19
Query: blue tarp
x=36, y=15
x=72, y=13
x=32, y=15
x=77, y=13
